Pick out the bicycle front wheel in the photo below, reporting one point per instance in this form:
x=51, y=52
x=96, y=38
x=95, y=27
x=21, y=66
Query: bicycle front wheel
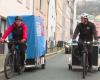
x=84, y=65
x=9, y=66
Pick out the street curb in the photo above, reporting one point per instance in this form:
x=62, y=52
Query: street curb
x=47, y=55
x=53, y=53
x=1, y=71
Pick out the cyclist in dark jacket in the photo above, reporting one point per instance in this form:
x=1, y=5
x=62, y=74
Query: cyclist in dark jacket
x=87, y=32
x=19, y=32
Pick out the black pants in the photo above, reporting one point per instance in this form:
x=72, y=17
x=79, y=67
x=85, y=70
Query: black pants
x=22, y=47
x=90, y=49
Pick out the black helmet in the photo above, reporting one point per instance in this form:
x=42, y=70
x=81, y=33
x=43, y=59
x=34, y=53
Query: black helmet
x=18, y=18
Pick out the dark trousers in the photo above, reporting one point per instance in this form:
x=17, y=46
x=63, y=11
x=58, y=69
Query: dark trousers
x=22, y=47
x=90, y=49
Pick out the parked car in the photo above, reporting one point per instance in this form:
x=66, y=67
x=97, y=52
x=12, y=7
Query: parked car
x=68, y=46
x=60, y=44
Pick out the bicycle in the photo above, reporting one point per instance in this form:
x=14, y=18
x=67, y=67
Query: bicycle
x=84, y=53
x=85, y=58
x=12, y=60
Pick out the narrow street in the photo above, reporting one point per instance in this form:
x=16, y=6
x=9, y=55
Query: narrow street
x=56, y=69
x=48, y=26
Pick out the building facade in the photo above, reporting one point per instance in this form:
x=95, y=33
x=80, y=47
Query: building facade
x=23, y=7
x=64, y=19
x=51, y=22
x=41, y=9
x=16, y=7
x=57, y=15
x=72, y=11
x=59, y=9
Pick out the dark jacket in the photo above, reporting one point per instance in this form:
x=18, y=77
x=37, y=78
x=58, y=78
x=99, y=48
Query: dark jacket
x=86, y=32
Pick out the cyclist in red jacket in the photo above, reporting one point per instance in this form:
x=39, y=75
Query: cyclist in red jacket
x=19, y=32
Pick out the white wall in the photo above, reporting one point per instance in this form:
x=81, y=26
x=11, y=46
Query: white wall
x=75, y=21
x=51, y=19
x=13, y=7
x=66, y=21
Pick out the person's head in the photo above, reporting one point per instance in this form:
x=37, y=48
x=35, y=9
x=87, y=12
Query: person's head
x=18, y=20
x=82, y=19
x=85, y=19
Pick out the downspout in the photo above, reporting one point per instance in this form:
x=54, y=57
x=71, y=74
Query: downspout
x=33, y=7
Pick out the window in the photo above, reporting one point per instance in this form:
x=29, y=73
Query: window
x=42, y=5
x=2, y=25
x=20, y=1
x=28, y=4
x=2, y=29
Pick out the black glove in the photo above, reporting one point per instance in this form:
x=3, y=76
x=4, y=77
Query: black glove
x=74, y=41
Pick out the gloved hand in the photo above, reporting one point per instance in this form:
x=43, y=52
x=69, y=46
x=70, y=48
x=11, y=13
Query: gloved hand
x=23, y=40
x=96, y=42
x=74, y=41
x=2, y=40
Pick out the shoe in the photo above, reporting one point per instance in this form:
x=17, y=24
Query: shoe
x=16, y=69
x=22, y=68
x=90, y=69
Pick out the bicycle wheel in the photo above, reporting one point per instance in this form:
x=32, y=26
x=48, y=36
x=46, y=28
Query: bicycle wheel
x=84, y=65
x=43, y=66
x=9, y=66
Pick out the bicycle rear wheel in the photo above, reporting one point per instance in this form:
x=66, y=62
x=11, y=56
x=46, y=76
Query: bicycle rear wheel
x=9, y=66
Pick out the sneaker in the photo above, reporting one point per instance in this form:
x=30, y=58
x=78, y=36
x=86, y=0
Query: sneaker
x=22, y=68
x=16, y=69
x=90, y=69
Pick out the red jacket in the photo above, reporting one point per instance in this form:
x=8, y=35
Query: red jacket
x=10, y=29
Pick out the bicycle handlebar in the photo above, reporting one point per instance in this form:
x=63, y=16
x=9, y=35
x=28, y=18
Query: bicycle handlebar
x=12, y=41
x=87, y=42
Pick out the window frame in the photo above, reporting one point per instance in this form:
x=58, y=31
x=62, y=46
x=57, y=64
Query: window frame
x=28, y=4
x=20, y=1
x=42, y=6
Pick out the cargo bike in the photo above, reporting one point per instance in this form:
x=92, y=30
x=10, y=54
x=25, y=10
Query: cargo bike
x=36, y=46
x=75, y=59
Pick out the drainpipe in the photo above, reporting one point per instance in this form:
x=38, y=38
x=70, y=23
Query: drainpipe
x=74, y=18
x=33, y=7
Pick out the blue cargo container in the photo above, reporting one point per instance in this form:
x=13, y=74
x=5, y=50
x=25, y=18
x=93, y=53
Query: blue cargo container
x=36, y=44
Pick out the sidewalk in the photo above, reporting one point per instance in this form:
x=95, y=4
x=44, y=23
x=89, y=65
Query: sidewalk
x=55, y=51
x=49, y=53
x=2, y=59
